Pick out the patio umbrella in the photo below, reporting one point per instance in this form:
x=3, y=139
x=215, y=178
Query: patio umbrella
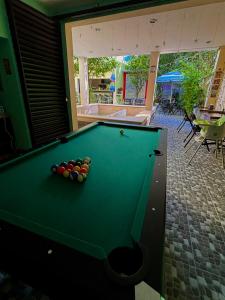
x=171, y=77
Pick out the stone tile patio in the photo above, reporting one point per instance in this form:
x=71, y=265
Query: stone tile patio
x=195, y=226
x=195, y=220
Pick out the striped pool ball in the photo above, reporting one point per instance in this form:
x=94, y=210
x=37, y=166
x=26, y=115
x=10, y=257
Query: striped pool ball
x=87, y=159
x=80, y=178
x=84, y=176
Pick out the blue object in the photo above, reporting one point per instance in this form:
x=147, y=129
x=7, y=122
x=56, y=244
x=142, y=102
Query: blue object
x=127, y=58
x=170, y=77
x=113, y=77
x=112, y=88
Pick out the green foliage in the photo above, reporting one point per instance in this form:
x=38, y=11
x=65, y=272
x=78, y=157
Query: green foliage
x=75, y=65
x=169, y=62
x=193, y=88
x=97, y=66
x=197, y=68
x=197, y=72
x=138, y=67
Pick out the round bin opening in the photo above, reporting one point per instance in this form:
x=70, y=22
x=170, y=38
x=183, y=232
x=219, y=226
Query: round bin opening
x=126, y=261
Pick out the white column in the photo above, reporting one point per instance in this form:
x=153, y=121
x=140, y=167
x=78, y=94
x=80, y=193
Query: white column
x=152, y=75
x=114, y=98
x=83, y=75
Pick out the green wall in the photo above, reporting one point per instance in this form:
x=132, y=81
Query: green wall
x=3, y=25
x=36, y=5
x=11, y=95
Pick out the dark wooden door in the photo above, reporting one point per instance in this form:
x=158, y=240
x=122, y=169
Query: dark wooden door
x=38, y=48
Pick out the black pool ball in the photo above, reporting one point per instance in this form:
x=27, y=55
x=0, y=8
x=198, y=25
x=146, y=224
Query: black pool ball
x=122, y=132
x=78, y=163
x=63, y=164
x=72, y=162
x=54, y=168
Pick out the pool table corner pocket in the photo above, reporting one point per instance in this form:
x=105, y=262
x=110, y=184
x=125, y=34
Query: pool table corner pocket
x=127, y=265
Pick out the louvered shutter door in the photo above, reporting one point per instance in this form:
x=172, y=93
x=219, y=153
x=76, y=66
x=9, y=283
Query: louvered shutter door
x=37, y=43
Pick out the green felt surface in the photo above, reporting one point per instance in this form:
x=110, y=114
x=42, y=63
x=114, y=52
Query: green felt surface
x=105, y=212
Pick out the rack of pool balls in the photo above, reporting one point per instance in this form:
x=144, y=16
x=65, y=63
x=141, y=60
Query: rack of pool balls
x=75, y=170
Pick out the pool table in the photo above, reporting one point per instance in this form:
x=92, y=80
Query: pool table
x=100, y=237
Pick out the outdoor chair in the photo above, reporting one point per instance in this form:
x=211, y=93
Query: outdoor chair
x=211, y=131
x=139, y=101
x=172, y=107
x=195, y=129
x=185, y=119
x=128, y=101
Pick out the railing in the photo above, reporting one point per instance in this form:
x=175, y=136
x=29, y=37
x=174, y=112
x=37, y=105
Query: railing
x=106, y=97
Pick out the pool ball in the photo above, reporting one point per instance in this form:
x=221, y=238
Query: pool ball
x=69, y=166
x=86, y=166
x=60, y=170
x=84, y=176
x=54, y=168
x=80, y=178
x=78, y=163
x=66, y=173
x=87, y=159
x=72, y=162
x=79, y=160
x=76, y=168
x=63, y=164
x=122, y=132
x=73, y=175
x=83, y=170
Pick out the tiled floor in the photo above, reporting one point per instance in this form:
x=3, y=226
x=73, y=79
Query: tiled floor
x=195, y=225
